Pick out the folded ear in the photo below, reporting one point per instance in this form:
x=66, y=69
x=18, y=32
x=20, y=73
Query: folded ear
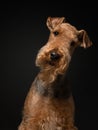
x=52, y=22
x=84, y=39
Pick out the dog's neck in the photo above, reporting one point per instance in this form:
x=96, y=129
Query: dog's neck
x=58, y=88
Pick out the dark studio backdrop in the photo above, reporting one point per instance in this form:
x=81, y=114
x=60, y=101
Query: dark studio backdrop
x=23, y=32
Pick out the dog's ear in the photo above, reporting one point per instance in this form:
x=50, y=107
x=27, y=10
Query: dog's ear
x=52, y=22
x=84, y=39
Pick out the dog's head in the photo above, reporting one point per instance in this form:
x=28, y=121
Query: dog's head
x=63, y=39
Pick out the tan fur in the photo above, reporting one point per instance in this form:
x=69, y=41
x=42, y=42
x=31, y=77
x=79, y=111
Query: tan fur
x=49, y=104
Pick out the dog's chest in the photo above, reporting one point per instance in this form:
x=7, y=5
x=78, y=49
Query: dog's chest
x=49, y=114
x=53, y=117
x=53, y=121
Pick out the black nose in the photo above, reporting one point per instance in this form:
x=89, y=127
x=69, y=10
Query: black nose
x=54, y=56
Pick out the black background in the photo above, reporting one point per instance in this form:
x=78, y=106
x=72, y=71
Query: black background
x=22, y=32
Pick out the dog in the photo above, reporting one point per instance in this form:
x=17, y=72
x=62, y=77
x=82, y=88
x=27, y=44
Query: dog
x=49, y=104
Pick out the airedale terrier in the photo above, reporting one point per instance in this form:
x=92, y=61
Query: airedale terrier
x=49, y=104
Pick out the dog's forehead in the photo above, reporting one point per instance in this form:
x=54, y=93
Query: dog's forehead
x=68, y=27
x=68, y=30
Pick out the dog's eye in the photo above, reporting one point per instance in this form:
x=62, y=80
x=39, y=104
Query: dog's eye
x=56, y=33
x=72, y=44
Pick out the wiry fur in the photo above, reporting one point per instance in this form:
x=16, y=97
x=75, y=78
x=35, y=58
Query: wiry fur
x=49, y=104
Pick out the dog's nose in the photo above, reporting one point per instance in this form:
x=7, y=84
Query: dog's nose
x=54, y=56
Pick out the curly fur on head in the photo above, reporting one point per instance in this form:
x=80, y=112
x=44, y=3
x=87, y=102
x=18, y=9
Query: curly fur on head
x=57, y=66
x=52, y=68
